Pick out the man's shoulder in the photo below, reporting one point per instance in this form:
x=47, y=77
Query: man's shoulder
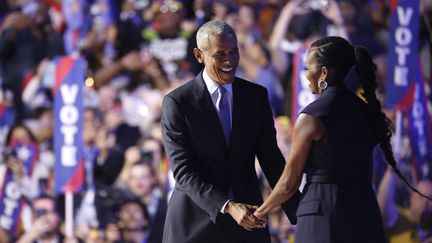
x=183, y=90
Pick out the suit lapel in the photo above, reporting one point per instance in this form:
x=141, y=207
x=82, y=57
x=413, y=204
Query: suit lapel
x=208, y=111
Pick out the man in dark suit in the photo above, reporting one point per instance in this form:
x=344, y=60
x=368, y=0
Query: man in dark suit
x=213, y=127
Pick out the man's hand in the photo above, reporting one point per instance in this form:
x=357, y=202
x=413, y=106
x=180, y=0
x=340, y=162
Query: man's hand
x=243, y=215
x=41, y=226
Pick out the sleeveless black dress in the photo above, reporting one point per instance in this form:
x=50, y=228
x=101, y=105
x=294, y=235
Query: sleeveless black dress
x=338, y=203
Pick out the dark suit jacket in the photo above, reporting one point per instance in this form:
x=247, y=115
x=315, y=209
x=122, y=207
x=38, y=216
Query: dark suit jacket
x=208, y=172
x=157, y=222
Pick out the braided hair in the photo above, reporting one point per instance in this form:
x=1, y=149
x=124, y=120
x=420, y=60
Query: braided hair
x=339, y=55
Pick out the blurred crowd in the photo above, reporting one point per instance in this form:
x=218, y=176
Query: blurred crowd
x=137, y=51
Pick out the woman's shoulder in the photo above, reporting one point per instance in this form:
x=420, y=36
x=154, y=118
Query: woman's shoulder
x=317, y=108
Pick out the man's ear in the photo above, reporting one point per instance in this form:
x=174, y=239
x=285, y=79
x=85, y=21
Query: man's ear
x=198, y=55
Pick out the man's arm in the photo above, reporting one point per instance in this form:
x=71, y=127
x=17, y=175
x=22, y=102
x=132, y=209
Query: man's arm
x=180, y=153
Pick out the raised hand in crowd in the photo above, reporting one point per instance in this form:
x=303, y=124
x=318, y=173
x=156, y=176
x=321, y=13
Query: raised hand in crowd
x=291, y=9
x=46, y=222
x=112, y=233
x=131, y=156
x=131, y=61
x=333, y=13
x=16, y=166
x=278, y=57
x=40, y=227
x=17, y=21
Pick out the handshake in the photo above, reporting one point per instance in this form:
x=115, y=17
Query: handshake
x=246, y=215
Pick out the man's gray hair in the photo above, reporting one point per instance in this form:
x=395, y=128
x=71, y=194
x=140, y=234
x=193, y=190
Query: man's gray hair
x=214, y=27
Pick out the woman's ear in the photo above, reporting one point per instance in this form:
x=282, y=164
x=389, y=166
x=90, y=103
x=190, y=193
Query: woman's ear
x=324, y=73
x=198, y=55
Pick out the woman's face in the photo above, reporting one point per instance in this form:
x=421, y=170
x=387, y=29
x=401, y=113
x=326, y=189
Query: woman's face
x=20, y=134
x=246, y=17
x=312, y=71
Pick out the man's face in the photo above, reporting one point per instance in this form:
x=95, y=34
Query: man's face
x=140, y=180
x=169, y=24
x=220, y=57
x=132, y=217
x=44, y=210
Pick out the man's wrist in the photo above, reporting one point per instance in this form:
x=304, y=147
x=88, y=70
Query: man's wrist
x=226, y=207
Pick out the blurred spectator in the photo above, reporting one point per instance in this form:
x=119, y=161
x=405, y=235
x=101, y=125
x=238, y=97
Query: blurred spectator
x=46, y=222
x=359, y=25
x=246, y=28
x=116, y=125
x=255, y=62
x=141, y=106
x=197, y=12
x=26, y=37
x=133, y=222
x=406, y=224
x=255, y=65
x=220, y=9
x=142, y=184
x=29, y=184
x=37, y=93
x=107, y=158
x=166, y=40
x=130, y=24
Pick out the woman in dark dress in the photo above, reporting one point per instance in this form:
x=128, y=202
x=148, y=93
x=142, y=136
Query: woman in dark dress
x=333, y=140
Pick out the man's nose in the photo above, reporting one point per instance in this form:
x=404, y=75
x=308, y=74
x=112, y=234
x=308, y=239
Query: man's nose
x=229, y=59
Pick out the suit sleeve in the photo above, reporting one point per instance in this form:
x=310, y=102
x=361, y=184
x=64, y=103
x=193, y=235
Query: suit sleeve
x=181, y=157
x=271, y=159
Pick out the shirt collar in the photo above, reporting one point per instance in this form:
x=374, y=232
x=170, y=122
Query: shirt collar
x=212, y=86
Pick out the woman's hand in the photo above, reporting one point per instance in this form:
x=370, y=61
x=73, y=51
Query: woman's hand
x=261, y=218
x=243, y=215
x=16, y=166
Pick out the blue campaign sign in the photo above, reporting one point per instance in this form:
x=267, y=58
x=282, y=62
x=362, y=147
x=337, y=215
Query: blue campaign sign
x=420, y=129
x=402, y=53
x=11, y=198
x=68, y=108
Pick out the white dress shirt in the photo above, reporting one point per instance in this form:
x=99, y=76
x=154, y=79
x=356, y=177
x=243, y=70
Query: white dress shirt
x=212, y=88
